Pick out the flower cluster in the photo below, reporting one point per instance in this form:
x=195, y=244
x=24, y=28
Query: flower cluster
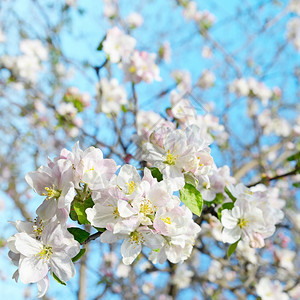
x=111, y=96
x=252, y=217
x=143, y=212
x=204, y=19
x=29, y=63
x=250, y=87
x=137, y=65
x=179, y=153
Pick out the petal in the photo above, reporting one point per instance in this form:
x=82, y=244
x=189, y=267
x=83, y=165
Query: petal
x=38, y=180
x=67, y=196
x=32, y=269
x=124, y=208
x=62, y=265
x=43, y=286
x=27, y=245
x=101, y=215
x=227, y=220
x=231, y=235
x=47, y=209
x=130, y=250
x=109, y=237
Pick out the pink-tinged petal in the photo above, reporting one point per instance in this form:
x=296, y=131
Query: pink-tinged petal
x=32, y=269
x=62, y=265
x=159, y=194
x=27, y=245
x=148, y=177
x=38, y=181
x=127, y=226
x=227, y=220
x=108, y=168
x=43, y=286
x=130, y=250
x=47, y=209
x=231, y=235
x=63, y=215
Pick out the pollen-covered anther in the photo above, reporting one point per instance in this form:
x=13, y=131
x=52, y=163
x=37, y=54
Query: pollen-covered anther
x=131, y=187
x=38, y=227
x=51, y=193
x=146, y=207
x=167, y=220
x=242, y=222
x=136, y=238
x=171, y=159
x=45, y=254
x=116, y=213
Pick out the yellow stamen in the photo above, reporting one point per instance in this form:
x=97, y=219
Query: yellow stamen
x=171, y=159
x=116, y=212
x=146, y=207
x=131, y=187
x=136, y=238
x=51, y=193
x=132, y=69
x=242, y=223
x=167, y=220
x=38, y=227
x=46, y=253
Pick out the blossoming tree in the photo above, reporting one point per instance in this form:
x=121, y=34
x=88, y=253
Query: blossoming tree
x=149, y=161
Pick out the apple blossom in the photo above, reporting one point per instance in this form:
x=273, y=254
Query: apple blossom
x=118, y=45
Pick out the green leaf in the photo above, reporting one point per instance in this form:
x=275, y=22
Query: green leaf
x=100, y=229
x=191, y=179
x=232, y=248
x=219, y=198
x=73, y=214
x=80, y=208
x=79, y=255
x=192, y=198
x=296, y=184
x=124, y=108
x=79, y=234
x=229, y=194
x=228, y=205
x=293, y=157
x=57, y=279
x=156, y=174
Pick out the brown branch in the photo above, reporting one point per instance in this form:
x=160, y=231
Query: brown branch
x=267, y=179
x=92, y=237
